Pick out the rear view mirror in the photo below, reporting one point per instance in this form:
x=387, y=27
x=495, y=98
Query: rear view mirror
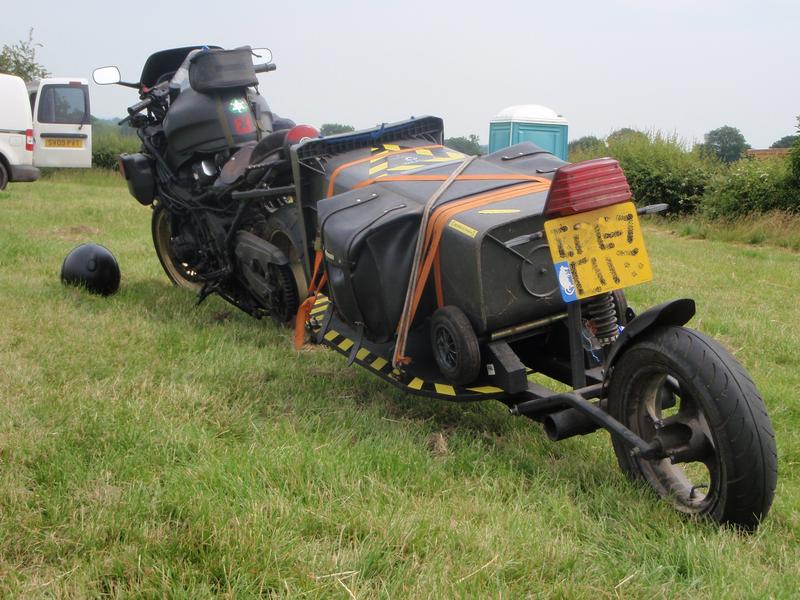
x=106, y=75
x=261, y=55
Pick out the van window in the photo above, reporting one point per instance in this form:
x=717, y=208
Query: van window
x=33, y=102
x=64, y=104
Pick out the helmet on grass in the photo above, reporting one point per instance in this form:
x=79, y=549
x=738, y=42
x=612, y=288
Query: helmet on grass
x=93, y=267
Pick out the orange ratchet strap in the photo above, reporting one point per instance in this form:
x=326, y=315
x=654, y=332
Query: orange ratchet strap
x=383, y=154
x=476, y=177
x=433, y=235
x=304, y=311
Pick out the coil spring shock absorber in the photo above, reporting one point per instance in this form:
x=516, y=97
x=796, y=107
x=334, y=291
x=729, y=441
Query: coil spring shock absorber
x=603, y=312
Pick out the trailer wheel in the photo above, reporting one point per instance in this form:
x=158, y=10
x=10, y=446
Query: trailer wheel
x=455, y=346
x=721, y=458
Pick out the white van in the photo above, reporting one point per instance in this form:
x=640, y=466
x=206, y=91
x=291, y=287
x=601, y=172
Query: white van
x=62, y=122
x=16, y=132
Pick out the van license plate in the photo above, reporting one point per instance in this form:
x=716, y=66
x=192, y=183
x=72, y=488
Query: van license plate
x=598, y=251
x=63, y=143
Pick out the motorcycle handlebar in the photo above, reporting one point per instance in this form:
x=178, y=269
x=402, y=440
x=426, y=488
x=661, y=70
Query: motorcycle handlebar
x=265, y=68
x=139, y=106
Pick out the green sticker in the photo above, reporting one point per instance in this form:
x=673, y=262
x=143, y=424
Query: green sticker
x=237, y=106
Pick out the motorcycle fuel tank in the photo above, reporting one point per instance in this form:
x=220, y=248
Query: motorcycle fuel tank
x=208, y=123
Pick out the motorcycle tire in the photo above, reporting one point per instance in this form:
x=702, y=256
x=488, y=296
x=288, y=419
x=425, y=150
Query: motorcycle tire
x=455, y=345
x=179, y=273
x=722, y=459
x=276, y=232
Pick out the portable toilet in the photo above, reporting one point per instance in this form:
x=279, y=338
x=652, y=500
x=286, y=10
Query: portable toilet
x=529, y=123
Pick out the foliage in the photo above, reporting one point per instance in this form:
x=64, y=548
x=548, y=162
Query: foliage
x=20, y=59
x=335, y=128
x=751, y=186
x=468, y=145
x=588, y=144
x=726, y=143
x=112, y=126
x=774, y=228
x=786, y=141
x=794, y=159
x=108, y=145
x=626, y=133
x=659, y=168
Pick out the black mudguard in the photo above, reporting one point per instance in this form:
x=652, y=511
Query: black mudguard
x=674, y=312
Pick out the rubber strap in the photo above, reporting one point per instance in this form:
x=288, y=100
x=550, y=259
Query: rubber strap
x=399, y=357
x=223, y=121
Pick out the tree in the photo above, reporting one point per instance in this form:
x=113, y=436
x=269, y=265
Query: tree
x=726, y=143
x=786, y=141
x=626, y=133
x=794, y=157
x=587, y=144
x=334, y=128
x=467, y=145
x=20, y=59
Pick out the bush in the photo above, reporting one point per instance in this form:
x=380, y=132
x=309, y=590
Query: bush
x=659, y=168
x=751, y=186
x=589, y=146
x=794, y=162
x=107, y=146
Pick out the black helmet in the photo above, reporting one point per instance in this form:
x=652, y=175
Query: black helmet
x=92, y=266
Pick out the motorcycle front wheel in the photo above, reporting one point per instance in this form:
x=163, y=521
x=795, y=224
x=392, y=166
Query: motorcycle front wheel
x=683, y=390
x=180, y=273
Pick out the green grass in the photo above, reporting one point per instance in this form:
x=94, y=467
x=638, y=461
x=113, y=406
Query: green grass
x=776, y=228
x=149, y=448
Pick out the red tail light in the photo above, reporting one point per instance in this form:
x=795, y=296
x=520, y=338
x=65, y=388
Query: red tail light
x=300, y=132
x=29, y=140
x=586, y=186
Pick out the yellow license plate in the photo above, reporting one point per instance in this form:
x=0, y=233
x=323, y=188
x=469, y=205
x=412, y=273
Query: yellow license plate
x=598, y=251
x=63, y=143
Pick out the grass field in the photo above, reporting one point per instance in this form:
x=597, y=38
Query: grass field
x=149, y=448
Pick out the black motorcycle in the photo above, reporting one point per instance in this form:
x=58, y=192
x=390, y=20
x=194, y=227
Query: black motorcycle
x=451, y=277
x=214, y=168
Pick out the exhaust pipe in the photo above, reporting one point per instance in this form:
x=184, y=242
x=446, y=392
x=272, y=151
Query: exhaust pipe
x=568, y=423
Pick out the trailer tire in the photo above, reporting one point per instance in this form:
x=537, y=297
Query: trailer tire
x=455, y=345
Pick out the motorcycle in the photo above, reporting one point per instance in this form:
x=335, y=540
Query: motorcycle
x=452, y=277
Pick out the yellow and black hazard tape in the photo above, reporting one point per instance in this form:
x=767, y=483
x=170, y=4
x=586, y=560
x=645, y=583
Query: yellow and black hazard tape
x=381, y=161
x=383, y=368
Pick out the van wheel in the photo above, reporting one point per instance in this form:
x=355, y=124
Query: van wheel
x=3, y=176
x=455, y=346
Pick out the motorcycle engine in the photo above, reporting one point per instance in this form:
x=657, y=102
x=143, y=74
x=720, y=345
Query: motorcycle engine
x=205, y=172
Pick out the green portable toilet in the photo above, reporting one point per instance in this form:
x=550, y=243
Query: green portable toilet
x=529, y=123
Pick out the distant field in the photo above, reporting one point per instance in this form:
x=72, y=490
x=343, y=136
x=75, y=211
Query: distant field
x=150, y=448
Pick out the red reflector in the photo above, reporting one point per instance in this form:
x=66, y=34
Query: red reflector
x=298, y=133
x=29, y=140
x=585, y=186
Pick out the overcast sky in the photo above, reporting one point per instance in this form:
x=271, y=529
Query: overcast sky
x=682, y=66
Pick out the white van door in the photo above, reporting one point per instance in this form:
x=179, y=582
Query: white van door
x=62, y=127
